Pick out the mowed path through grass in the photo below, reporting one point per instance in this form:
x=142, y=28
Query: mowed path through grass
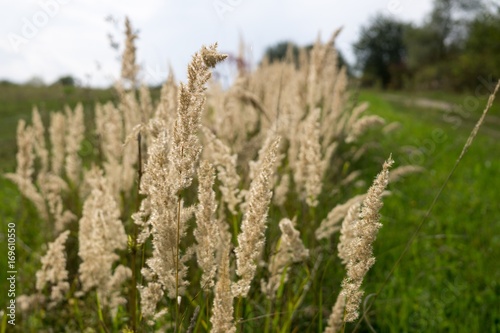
x=449, y=280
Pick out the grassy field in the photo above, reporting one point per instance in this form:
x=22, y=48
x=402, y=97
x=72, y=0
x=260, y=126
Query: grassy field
x=447, y=282
x=16, y=102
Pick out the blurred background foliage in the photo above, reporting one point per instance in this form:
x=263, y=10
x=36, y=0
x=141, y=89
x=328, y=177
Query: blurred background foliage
x=456, y=43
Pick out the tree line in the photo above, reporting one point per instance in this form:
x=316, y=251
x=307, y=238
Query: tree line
x=457, y=43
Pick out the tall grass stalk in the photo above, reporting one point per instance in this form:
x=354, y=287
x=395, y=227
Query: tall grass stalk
x=133, y=246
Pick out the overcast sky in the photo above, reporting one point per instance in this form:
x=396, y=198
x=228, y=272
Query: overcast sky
x=51, y=38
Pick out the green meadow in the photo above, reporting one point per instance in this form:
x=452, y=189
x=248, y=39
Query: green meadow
x=449, y=279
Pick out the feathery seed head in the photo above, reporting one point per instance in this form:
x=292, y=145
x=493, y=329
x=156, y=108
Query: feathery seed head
x=129, y=66
x=359, y=248
x=251, y=239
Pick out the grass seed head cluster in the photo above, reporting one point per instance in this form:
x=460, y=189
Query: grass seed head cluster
x=205, y=197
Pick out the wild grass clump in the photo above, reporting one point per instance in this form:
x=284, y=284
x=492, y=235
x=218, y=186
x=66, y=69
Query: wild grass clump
x=208, y=210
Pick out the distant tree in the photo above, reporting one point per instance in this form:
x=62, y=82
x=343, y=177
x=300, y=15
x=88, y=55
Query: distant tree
x=381, y=52
x=423, y=46
x=480, y=56
x=66, y=80
x=279, y=51
x=435, y=47
x=444, y=31
x=449, y=18
x=7, y=83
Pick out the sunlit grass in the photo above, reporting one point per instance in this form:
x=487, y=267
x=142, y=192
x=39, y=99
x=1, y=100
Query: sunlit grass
x=447, y=281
